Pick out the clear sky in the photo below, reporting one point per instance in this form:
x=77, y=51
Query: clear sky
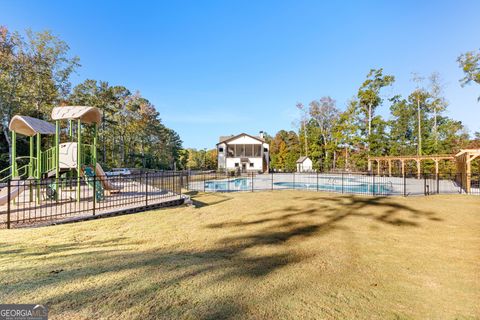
x=222, y=67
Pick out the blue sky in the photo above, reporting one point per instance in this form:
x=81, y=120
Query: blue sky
x=222, y=67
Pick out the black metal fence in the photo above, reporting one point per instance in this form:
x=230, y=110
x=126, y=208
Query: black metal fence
x=340, y=182
x=30, y=201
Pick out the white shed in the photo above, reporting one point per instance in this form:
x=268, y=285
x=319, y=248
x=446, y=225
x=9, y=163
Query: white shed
x=304, y=164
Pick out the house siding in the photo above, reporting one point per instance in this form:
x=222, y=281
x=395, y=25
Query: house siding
x=260, y=162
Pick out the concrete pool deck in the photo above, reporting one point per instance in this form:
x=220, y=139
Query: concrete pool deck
x=346, y=183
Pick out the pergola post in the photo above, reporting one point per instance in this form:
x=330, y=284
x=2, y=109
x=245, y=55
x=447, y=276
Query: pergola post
x=468, y=172
x=436, y=166
x=403, y=167
x=389, y=168
x=378, y=167
x=346, y=158
x=418, y=168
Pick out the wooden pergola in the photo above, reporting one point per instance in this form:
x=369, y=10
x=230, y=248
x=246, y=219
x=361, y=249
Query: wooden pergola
x=464, y=166
x=404, y=159
x=463, y=160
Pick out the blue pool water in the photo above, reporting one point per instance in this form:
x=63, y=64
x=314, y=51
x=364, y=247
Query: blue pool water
x=350, y=185
x=358, y=188
x=240, y=184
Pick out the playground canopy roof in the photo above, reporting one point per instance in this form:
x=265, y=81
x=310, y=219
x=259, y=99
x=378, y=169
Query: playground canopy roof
x=84, y=113
x=29, y=126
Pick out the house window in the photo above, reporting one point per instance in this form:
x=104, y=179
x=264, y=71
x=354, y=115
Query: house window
x=220, y=149
x=251, y=165
x=236, y=164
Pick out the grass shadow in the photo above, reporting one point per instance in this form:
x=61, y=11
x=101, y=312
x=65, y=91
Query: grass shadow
x=208, y=199
x=250, y=250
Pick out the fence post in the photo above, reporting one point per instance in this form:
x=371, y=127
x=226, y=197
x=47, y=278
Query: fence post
x=163, y=180
x=438, y=183
x=424, y=185
x=342, y=181
x=8, y=202
x=404, y=185
x=228, y=182
x=180, y=182
x=272, y=180
x=94, y=192
x=146, y=187
x=461, y=183
x=373, y=184
x=317, y=178
x=293, y=179
x=252, y=181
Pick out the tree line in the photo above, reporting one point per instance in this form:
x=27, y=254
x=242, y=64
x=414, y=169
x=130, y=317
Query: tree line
x=344, y=140
x=35, y=71
x=417, y=125
x=194, y=159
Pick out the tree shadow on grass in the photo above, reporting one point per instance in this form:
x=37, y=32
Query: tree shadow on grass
x=321, y=214
x=169, y=283
x=217, y=267
x=209, y=199
x=40, y=250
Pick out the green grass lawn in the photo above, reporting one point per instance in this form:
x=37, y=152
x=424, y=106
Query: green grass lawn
x=264, y=255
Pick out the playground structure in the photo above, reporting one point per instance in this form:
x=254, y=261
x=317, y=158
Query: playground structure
x=49, y=179
x=67, y=158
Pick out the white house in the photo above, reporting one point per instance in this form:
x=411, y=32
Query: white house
x=304, y=164
x=244, y=153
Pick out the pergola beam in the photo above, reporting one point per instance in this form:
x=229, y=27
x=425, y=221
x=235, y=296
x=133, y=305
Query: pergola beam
x=463, y=160
x=473, y=157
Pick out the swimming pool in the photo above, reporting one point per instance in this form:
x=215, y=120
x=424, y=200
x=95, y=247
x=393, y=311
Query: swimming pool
x=239, y=184
x=352, y=188
x=350, y=185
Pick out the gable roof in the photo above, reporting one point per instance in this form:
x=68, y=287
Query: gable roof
x=302, y=159
x=29, y=126
x=223, y=138
x=226, y=139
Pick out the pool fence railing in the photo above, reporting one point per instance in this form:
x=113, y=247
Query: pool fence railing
x=48, y=200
